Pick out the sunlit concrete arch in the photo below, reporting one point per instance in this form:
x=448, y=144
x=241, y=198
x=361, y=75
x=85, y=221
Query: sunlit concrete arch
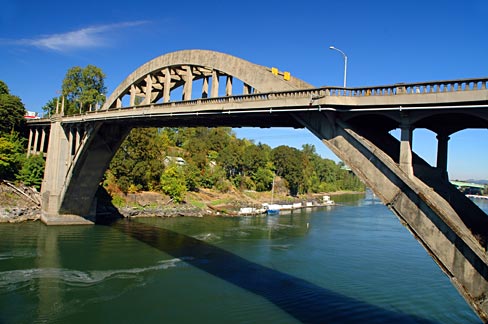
x=153, y=81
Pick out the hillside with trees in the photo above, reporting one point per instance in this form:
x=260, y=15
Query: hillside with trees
x=175, y=161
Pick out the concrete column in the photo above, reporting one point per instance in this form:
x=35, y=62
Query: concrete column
x=148, y=97
x=442, y=145
x=215, y=84
x=247, y=89
x=29, y=145
x=205, y=87
x=406, y=149
x=78, y=138
x=132, y=95
x=118, y=103
x=70, y=145
x=36, y=140
x=55, y=169
x=167, y=85
x=228, y=86
x=43, y=140
x=187, y=89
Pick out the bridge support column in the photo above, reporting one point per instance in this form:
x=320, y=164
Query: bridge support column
x=406, y=149
x=148, y=93
x=78, y=138
x=187, y=88
x=167, y=85
x=36, y=141
x=215, y=84
x=29, y=144
x=228, y=86
x=132, y=99
x=43, y=140
x=453, y=230
x=205, y=87
x=56, y=169
x=442, y=141
x=71, y=141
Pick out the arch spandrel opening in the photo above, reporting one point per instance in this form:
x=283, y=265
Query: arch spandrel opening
x=184, y=83
x=199, y=74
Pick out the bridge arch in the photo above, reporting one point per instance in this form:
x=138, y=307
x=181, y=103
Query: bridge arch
x=154, y=80
x=89, y=155
x=450, y=227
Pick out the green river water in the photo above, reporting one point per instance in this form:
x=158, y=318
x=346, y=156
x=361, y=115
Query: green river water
x=351, y=263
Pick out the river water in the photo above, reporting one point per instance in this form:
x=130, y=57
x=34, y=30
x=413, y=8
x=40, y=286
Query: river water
x=352, y=263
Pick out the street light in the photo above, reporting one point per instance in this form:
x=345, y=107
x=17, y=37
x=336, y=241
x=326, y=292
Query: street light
x=345, y=62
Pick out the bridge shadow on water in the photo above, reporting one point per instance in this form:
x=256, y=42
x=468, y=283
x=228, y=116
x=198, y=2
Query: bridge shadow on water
x=303, y=300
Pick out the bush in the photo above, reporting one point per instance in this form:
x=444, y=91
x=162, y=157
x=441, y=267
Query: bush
x=11, y=155
x=32, y=171
x=173, y=183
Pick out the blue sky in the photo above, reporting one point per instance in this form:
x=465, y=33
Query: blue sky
x=386, y=42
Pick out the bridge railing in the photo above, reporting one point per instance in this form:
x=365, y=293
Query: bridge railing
x=387, y=90
x=429, y=87
x=410, y=88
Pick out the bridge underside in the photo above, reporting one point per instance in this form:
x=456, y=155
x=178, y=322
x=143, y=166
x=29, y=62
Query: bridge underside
x=353, y=123
x=452, y=229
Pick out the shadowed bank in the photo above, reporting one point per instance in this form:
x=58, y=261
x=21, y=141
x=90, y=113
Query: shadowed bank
x=306, y=302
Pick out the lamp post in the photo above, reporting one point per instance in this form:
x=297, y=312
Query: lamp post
x=345, y=62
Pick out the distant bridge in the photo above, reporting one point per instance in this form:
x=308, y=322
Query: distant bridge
x=353, y=122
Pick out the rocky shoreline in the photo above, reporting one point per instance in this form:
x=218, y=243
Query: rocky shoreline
x=19, y=214
x=20, y=204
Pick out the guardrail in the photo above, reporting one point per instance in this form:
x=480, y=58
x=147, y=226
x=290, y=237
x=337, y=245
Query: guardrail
x=417, y=88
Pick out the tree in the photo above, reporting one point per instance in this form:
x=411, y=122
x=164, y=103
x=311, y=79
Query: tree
x=50, y=107
x=12, y=111
x=287, y=161
x=84, y=88
x=173, y=183
x=3, y=88
x=11, y=155
x=139, y=160
x=32, y=171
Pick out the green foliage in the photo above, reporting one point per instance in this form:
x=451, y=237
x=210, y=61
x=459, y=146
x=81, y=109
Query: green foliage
x=12, y=111
x=118, y=201
x=216, y=159
x=84, y=88
x=11, y=155
x=50, y=107
x=287, y=161
x=139, y=161
x=263, y=179
x=32, y=171
x=3, y=88
x=173, y=183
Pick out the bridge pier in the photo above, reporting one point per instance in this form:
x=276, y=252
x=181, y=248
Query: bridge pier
x=451, y=228
x=442, y=146
x=58, y=161
x=406, y=149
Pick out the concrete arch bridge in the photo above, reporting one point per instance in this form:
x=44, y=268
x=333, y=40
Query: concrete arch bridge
x=355, y=123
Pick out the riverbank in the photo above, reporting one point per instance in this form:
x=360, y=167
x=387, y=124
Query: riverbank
x=19, y=203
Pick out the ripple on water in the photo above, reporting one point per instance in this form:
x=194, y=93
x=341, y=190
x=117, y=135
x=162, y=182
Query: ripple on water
x=16, y=279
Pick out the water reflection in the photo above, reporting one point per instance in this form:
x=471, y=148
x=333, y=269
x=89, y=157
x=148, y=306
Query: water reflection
x=301, y=299
x=49, y=290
